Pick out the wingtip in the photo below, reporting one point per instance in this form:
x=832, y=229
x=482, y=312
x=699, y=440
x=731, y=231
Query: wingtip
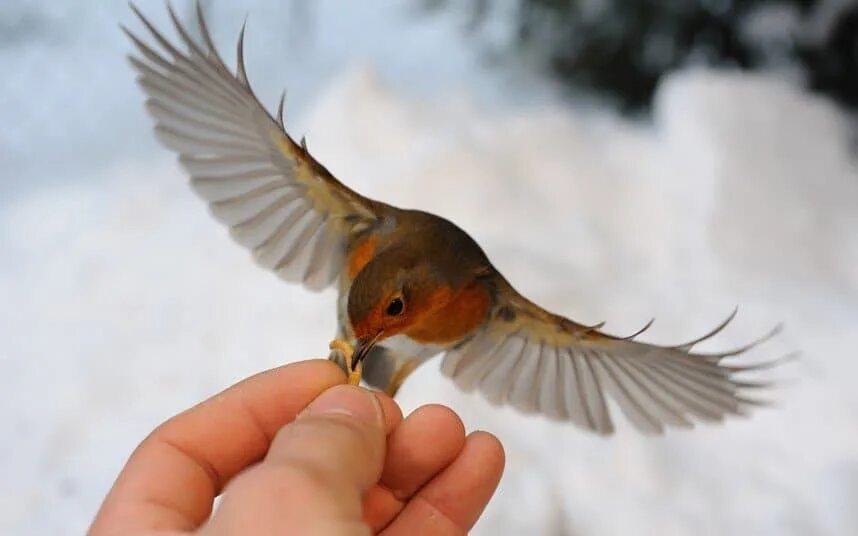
x=640, y=331
x=137, y=13
x=170, y=9
x=280, y=109
x=135, y=9
x=751, y=345
x=778, y=329
x=174, y=18
x=124, y=29
x=135, y=63
x=763, y=365
x=241, y=69
x=688, y=346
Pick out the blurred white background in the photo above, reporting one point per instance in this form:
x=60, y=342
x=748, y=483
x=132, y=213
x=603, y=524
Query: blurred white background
x=124, y=303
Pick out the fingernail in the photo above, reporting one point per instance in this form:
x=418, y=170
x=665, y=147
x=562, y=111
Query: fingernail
x=348, y=400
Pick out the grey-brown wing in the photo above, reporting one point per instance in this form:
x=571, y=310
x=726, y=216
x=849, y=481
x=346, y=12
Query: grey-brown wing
x=276, y=199
x=536, y=361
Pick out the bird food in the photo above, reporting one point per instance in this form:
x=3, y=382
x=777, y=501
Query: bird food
x=348, y=351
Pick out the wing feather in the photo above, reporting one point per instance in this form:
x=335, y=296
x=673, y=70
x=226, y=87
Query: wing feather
x=621, y=390
x=277, y=200
x=497, y=383
x=593, y=394
x=323, y=265
x=522, y=394
x=475, y=369
x=660, y=404
x=581, y=374
x=272, y=238
x=569, y=371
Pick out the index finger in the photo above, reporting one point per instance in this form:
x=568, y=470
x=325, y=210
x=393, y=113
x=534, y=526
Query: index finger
x=172, y=478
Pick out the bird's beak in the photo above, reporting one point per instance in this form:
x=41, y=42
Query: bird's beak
x=364, y=345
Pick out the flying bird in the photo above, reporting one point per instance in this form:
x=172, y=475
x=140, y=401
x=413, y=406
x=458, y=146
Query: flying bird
x=411, y=284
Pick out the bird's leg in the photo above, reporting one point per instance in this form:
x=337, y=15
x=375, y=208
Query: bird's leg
x=348, y=352
x=399, y=376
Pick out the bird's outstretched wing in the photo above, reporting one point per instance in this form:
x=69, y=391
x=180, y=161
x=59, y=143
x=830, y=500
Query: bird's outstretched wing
x=537, y=361
x=277, y=200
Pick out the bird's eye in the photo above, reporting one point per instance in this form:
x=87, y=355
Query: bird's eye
x=394, y=308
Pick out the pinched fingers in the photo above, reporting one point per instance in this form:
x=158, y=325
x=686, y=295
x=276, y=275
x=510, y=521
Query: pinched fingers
x=313, y=478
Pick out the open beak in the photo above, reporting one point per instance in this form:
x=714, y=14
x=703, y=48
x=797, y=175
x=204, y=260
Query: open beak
x=363, y=347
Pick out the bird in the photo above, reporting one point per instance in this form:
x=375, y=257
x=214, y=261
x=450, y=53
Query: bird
x=412, y=285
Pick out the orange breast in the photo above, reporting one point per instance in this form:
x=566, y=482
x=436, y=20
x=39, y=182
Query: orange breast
x=463, y=312
x=361, y=255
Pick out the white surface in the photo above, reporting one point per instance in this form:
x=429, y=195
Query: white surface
x=125, y=303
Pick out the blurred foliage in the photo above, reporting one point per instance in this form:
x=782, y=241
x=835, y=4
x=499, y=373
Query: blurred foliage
x=833, y=67
x=621, y=48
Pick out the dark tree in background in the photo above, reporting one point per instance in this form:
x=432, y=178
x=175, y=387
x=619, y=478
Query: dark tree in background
x=833, y=67
x=621, y=48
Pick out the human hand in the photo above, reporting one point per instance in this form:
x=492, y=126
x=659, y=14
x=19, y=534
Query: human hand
x=294, y=452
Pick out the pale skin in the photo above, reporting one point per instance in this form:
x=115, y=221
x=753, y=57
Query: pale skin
x=294, y=451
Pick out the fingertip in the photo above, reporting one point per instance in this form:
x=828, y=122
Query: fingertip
x=491, y=448
x=455, y=498
x=444, y=418
x=324, y=365
x=392, y=411
x=308, y=375
x=339, y=436
x=348, y=400
x=335, y=375
x=424, y=444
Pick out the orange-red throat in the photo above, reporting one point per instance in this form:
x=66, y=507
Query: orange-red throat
x=439, y=316
x=455, y=315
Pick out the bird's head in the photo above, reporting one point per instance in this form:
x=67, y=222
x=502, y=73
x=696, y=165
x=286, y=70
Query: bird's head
x=394, y=293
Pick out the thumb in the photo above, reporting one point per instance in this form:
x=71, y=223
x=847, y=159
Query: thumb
x=315, y=472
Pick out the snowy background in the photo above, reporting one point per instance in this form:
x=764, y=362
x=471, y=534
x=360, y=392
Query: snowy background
x=124, y=303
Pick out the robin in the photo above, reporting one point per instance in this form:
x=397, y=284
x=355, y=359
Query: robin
x=411, y=284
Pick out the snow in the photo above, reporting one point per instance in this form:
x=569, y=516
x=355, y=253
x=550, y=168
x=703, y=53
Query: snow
x=126, y=303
